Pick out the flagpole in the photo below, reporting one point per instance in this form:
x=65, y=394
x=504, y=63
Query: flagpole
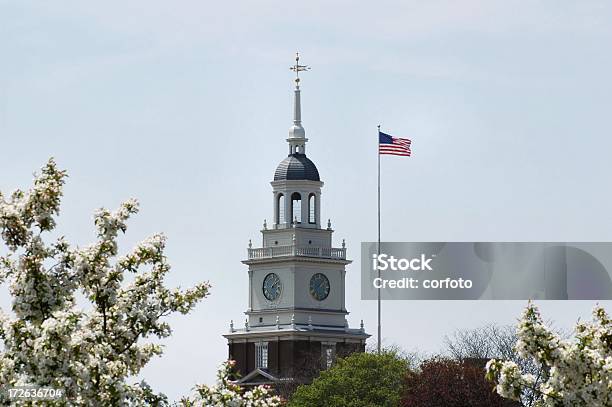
x=378, y=247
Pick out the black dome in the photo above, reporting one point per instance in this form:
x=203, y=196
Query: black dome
x=296, y=167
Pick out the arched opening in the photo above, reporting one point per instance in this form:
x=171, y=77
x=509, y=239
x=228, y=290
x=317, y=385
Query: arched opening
x=312, y=209
x=296, y=207
x=280, y=209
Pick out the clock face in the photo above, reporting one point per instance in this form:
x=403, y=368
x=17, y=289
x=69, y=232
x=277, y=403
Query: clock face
x=319, y=287
x=272, y=287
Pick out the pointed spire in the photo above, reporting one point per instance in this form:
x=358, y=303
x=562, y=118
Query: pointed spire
x=297, y=131
x=297, y=109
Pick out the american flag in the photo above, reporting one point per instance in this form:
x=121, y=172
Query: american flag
x=393, y=145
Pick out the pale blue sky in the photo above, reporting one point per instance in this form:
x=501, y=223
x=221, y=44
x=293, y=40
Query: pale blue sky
x=185, y=105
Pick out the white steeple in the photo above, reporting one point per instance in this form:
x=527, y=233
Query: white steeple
x=297, y=136
x=297, y=279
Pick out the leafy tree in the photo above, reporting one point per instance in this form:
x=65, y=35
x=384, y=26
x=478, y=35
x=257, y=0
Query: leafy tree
x=227, y=393
x=88, y=352
x=443, y=382
x=578, y=372
x=360, y=379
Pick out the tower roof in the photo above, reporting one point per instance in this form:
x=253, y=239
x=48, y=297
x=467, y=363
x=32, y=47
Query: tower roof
x=296, y=167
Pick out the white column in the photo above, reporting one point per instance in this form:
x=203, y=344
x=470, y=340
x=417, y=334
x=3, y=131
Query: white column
x=275, y=205
x=305, y=211
x=342, y=278
x=288, y=212
x=318, y=209
x=250, y=290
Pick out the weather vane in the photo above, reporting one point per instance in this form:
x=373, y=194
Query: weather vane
x=297, y=68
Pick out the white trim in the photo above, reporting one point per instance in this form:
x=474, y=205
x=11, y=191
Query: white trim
x=292, y=335
x=255, y=373
x=294, y=183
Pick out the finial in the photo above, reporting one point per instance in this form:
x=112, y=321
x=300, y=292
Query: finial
x=295, y=221
x=246, y=324
x=328, y=224
x=297, y=131
x=292, y=320
x=232, y=325
x=309, y=322
x=343, y=243
x=297, y=68
x=250, y=244
x=265, y=225
x=361, y=326
x=277, y=322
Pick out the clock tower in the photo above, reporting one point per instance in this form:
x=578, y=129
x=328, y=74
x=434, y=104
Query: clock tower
x=296, y=315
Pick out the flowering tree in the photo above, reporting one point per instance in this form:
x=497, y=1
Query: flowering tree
x=576, y=373
x=227, y=393
x=48, y=340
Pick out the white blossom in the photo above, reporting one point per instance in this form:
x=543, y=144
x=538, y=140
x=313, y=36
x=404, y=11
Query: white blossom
x=578, y=372
x=47, y=339
x=226, y=393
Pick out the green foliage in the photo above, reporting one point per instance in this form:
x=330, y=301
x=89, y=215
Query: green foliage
x=359, y=380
